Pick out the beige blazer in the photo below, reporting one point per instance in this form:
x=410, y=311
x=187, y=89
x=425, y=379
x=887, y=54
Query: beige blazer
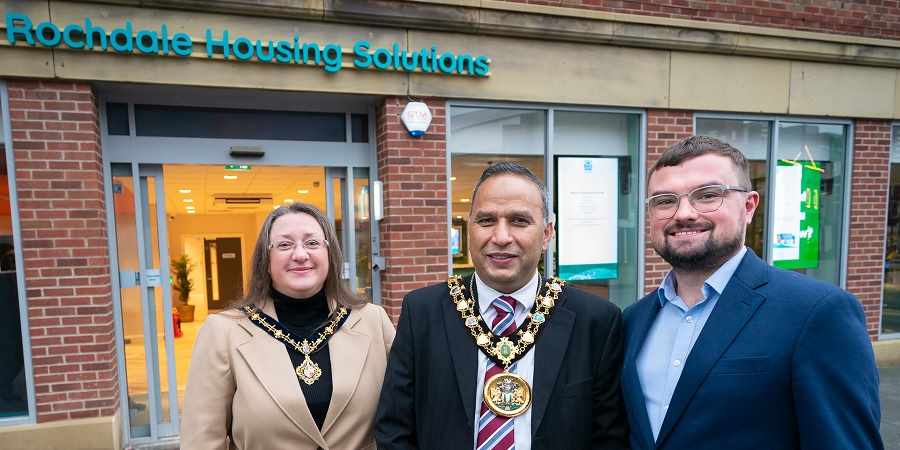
x=241, y=385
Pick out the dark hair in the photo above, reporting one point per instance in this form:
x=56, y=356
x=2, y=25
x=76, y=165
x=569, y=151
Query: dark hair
x=695, y=146
x=511, y=168
x=336, y=290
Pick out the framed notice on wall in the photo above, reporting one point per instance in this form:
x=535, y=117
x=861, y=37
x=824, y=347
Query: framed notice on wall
x=587, y=200
x=795, y=234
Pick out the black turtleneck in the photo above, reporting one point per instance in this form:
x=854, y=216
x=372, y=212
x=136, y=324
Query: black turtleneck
x=303, y=318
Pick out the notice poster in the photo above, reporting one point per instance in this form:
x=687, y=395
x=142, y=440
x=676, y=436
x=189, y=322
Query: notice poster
x=795, y=234
x=587, y=189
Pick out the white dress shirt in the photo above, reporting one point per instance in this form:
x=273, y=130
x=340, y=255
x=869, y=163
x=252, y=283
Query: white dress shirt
x=524, y=367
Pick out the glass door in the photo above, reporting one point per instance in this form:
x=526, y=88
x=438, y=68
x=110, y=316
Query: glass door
x=348, y=196
x=142, y=262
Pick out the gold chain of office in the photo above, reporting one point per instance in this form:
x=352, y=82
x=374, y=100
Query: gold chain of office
x=506, y=349
x=308, y=371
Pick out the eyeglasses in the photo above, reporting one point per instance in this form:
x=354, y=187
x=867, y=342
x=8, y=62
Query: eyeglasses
x=704, y=199
x=287, y=246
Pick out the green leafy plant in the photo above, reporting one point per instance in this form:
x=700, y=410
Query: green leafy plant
x=181, y=275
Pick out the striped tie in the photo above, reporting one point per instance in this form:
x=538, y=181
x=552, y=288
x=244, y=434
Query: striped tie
x=497, y=432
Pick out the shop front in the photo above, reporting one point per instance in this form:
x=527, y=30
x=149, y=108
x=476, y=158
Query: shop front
x=144, y=145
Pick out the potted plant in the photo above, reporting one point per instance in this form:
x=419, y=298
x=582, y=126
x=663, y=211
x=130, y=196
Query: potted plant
x=183, y=285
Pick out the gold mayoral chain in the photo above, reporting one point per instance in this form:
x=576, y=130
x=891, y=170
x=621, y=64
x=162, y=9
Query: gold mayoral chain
x=506, y=394
x=308, y=371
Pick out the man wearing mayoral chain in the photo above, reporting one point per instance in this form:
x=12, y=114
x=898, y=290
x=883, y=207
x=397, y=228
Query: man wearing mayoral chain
x=729, y=352
x=505, y=358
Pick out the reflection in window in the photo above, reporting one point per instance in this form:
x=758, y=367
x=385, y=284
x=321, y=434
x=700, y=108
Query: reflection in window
x=478, y=138
x=890, y=315
x=13, y=397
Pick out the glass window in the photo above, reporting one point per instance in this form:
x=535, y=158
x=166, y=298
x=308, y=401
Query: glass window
x=890, y=315
x=190, y=122
x=478, y=138
x=359, y=126
x=595, y=193
x=117, y=119
x=809, y=185
x=593, y=188
x=753, y=138
x=13, y=393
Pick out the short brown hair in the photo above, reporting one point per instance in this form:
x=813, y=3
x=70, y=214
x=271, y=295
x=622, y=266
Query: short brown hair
x=336, y=290
x=695, y=146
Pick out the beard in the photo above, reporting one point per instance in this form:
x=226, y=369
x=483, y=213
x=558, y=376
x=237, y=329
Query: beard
x=713, y=253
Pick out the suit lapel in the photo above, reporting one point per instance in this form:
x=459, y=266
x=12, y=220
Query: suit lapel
x=549, y=351
x=631, y=386
x=270, y=363
x=735, y=307
x=345, y=371
x=463, y=354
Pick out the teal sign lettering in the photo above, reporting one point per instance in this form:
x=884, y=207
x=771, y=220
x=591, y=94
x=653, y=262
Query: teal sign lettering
x=20, y=29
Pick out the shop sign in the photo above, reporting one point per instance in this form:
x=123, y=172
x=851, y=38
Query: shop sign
x=85, y=35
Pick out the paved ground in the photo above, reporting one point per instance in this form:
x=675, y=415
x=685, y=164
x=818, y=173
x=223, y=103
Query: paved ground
x=890, y=407
x=890, y=411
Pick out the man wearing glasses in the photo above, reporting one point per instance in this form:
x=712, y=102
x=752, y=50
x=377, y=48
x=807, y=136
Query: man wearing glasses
x=730, y=353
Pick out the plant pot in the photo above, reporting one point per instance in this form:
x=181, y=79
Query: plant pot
x=186, y=312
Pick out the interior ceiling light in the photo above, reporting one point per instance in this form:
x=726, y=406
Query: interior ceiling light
x=184, y=191
x=289, y=200
x=191, y=211
x=464, y=200
x=230, y=177
x=188, y=200
x=303, y=191
x=452, y=178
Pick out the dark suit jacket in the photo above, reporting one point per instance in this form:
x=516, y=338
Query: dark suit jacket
x=783, y=362
x=428, y=397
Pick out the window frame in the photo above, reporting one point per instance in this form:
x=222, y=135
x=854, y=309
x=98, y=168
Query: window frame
x=774, y=122
x=31, y=417
x=549, y=154
x=882, y=336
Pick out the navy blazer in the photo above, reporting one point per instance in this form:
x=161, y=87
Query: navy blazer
x=428, y=397
x=783, y=362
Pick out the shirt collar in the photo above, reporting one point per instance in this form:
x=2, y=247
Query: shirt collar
x=524, y=296
x=717, y=281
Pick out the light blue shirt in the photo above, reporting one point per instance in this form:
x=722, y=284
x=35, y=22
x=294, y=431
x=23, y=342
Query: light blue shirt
x=672, y=336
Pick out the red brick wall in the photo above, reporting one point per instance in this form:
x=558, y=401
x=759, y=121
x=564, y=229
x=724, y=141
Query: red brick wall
x=871, y=18
x=59, y=179
x=414, y=231
x=865, y=255
x=664, y=128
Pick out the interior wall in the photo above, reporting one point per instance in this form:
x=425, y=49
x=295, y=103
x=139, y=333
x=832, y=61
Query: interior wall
x=186, y=232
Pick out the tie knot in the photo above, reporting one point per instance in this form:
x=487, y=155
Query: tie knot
x=504, y=304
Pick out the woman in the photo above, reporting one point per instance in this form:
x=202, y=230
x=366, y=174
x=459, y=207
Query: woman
x=299, y=364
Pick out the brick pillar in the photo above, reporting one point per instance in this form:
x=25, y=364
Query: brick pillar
x=868, y=197
x=414, y=230
x=59, y=180
x=664, y=128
